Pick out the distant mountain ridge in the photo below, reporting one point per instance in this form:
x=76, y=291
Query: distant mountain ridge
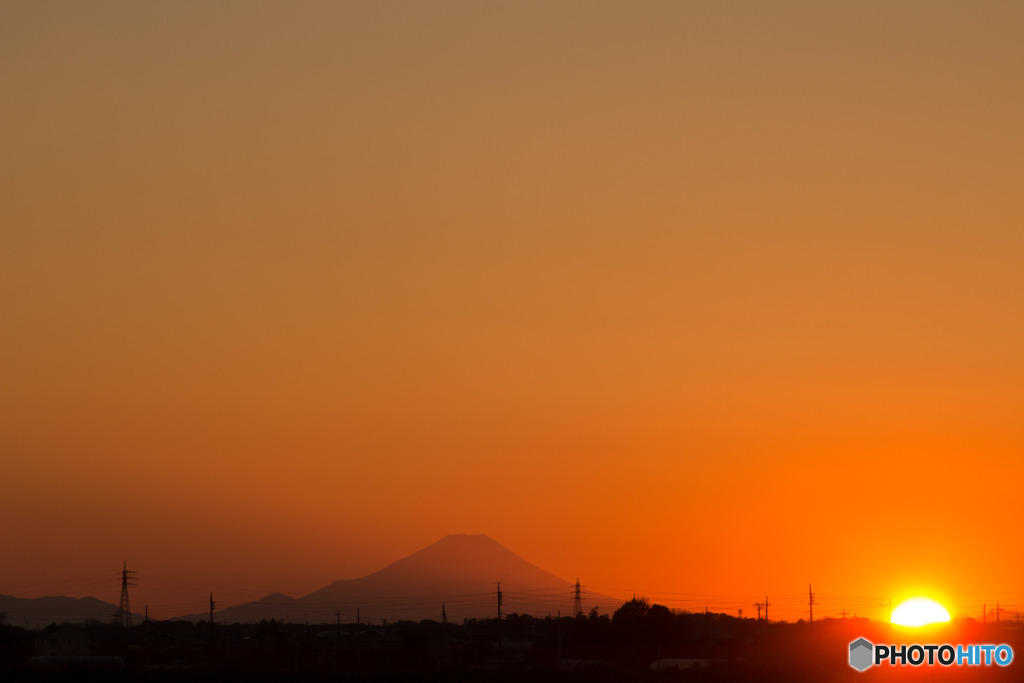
x=458, y=561
x=460, y=572
x=35, y=612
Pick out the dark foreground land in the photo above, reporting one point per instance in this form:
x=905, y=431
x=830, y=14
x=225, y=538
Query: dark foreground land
x=638, y=643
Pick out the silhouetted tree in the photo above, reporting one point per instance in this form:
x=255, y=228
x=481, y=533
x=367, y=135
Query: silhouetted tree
x=636, y=608
x=660, y=619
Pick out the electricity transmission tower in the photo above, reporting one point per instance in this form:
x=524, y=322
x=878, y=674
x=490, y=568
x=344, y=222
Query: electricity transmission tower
x=577, y=600
x=123, y=616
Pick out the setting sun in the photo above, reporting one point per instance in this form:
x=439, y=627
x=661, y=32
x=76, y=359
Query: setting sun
x=919, y=612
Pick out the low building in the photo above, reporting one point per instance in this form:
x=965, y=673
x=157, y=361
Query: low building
x=64, y=642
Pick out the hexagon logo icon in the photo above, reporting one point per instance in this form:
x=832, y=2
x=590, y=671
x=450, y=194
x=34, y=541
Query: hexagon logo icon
x=860, y=654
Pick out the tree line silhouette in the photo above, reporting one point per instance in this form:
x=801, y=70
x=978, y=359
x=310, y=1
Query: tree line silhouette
x=636, y=641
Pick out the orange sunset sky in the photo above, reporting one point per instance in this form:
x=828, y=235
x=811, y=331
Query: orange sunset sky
x=677, y=297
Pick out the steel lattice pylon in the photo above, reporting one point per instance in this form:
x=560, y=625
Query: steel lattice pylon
x=123, y=617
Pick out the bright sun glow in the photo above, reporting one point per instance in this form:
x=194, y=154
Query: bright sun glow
x=919, y=612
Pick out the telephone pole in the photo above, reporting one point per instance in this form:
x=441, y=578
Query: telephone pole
x=997, y=610
x=759, y=605
x=212, y=606
x=810, y=601
x=766, y=603
x=444, y=634
x=577, y=601
x=558, y=630
x=123, y=616
x=500, y=600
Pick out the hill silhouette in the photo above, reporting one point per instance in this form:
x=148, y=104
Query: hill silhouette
x=461, y=571
x=35, y=612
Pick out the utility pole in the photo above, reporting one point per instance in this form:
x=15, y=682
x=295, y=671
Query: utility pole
x=558, y=629
x=759, y=605
x=844, y=612
x=123, y=616
x=766, y=603
x=810, y=601
x=444, y=633
x=577, y=601
x=212, y=606
x=500, y=600
x=997, y=610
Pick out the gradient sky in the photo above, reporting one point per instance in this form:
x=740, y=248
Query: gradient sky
x=710, y=297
